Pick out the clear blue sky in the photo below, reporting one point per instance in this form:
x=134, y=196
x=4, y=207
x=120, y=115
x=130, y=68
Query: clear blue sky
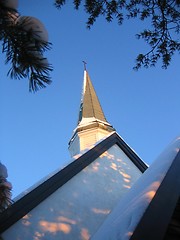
x=35, y=128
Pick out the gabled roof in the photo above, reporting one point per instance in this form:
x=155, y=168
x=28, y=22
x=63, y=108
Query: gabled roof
x=20, y=208
x=161, y=219
x=90, y=106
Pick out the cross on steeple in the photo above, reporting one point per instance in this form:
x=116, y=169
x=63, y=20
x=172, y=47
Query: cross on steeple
x=85, y=63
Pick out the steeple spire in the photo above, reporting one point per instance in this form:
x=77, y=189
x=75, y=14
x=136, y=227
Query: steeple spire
x=92, y=124
x=90, y=106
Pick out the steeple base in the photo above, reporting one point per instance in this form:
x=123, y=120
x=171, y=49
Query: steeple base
x=85, y=139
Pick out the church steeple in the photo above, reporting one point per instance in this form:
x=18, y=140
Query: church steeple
x=92, y=124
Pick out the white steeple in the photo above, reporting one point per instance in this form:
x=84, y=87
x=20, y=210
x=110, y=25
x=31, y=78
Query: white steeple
x=92, y=124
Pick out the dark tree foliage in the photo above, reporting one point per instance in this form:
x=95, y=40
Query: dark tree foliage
x=23, y=50
x=162, y=34
x=5, y=195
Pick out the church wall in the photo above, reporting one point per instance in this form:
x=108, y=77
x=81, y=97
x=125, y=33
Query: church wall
x=74, y=148
x=77, y=209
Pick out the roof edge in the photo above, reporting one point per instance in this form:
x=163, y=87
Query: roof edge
x=157, y=216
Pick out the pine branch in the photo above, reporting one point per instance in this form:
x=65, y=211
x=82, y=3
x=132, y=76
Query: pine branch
x=5, y=194
x=24, y=50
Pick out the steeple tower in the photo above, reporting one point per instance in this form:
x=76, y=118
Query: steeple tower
x=92, y=124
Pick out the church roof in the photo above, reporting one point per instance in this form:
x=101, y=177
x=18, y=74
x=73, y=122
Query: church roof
x=90, y=106
x=28, y=202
